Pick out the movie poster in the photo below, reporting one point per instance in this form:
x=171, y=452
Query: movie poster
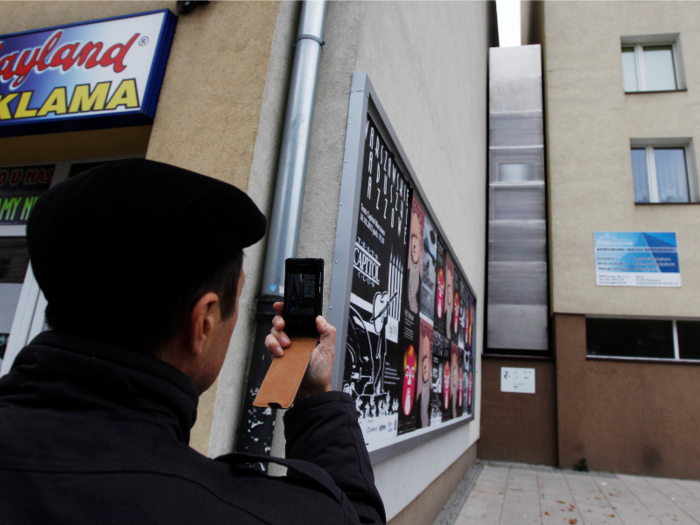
x=375, y=364
x=463, y=307
x=456, y=301
x=469, y=357
x=410, y=323
x=427, y=296
x=449, y=296
x=437, y=398
x=440, y=290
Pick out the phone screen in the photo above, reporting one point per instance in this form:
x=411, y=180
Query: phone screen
x=303, y=294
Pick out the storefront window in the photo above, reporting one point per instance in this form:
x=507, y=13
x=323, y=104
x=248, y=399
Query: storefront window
x=14, y=258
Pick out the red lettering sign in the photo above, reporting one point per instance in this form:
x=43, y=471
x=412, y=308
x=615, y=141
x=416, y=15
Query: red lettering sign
x=19, y=65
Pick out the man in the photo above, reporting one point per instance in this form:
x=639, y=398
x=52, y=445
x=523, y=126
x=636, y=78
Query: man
x=141, y=265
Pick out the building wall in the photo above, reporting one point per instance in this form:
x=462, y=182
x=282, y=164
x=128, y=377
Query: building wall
x=436, y=98
x=531, y=22
x=590, y=121
x=622, y=416
x=625, y=416
x=207, y=117
x=519, y=427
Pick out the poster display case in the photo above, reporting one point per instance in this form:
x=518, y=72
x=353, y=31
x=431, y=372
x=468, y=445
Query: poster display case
x=404, y=306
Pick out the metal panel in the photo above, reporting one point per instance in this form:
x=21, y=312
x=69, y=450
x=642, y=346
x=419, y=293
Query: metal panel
x=517, y=313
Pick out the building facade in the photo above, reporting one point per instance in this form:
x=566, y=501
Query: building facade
x=221, y=111
x=618, y=391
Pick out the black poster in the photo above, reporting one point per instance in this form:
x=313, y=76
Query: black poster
x=374, y=360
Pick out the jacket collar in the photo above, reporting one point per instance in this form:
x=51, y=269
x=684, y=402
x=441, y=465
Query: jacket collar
x=67, y=372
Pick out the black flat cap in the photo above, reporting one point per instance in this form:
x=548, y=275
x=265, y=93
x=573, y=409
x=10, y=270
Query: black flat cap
x=135, y=226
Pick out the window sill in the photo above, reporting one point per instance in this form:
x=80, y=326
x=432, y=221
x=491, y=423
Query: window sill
x=647, y=360
x=684, y=90
x=666, y=203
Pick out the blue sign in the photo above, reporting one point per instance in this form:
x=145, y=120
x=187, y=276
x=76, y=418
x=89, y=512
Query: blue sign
x=84, y=76
x=637, y=259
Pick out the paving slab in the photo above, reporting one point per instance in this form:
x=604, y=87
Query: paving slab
x=624, y=503
x=663, y=508
x=521, y=503
x=556, y=500
x=486, y=498
x=693, y=487
x=517, y=494
x=594, y=503
x=686, y=501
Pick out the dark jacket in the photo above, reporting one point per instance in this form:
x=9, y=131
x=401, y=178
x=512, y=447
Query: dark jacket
x=93, y=434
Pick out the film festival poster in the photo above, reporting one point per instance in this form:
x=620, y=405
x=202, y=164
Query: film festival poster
x=461, y=343
x=413, y=382
x=374, y=362
x=427, y=297
x=441, y=314
x=449, y=297
x=469, y=357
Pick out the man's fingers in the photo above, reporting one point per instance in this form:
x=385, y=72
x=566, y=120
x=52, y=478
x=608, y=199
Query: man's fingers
x=281, y=337
x=328, y=332
x=323, y=326
x=279, y=307
x=273, y=346
x=278, y=322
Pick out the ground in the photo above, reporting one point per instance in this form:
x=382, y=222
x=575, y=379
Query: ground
x=515, y=494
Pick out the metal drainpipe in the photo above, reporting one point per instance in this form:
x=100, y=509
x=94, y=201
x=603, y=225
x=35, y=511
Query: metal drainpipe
x=257, y=425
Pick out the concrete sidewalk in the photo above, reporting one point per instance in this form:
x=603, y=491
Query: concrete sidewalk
x=514, y=494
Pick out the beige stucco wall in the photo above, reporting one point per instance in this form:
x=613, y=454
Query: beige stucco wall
x=590, y=121
x=208, y=112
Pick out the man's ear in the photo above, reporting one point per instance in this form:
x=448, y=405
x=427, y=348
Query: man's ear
x=202, y=320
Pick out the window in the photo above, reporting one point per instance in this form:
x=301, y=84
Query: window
x=651, y=63
x=643, y=338
x=660, y=174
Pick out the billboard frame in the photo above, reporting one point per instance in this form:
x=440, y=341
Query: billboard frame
x=363, y=102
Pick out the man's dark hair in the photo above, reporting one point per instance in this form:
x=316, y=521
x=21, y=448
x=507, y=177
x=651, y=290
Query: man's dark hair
x=166, y=317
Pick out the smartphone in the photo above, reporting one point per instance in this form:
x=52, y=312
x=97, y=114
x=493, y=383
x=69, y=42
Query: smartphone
x=303, y=296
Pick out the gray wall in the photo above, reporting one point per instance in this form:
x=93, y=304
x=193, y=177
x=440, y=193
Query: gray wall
x=428, y=64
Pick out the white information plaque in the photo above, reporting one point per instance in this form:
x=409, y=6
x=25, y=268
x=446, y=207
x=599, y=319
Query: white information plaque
x=518, y=380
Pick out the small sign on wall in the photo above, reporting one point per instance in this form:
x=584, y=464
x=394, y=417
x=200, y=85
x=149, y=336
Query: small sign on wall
x=637, y=259
x=518, y=380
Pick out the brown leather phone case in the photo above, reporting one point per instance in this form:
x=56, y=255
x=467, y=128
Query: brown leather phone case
x=279, y=388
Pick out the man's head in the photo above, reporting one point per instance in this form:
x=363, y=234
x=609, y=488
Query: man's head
x=125, y=252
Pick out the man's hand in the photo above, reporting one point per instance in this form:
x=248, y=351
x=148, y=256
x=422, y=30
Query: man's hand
x=319, y=374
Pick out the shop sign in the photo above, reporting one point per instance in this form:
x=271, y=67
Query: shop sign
x=20, y=189
x=84, y=76
x=404, y=305
x=637, y=259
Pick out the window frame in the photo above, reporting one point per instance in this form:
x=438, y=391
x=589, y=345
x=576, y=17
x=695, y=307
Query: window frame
x=676, y=347
x=638, y=43
x=691, y=175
